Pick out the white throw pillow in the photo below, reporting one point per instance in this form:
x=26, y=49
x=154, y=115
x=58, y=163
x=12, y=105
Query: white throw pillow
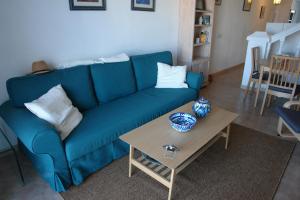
x=171, y=76
x=57, y=109
x=75, y=63
x=113, y=59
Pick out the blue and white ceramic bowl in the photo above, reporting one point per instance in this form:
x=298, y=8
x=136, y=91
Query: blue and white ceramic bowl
x=182, y=122
x=201, y=107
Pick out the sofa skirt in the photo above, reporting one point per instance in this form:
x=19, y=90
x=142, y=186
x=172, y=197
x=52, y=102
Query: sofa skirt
x=44, y=165
x=90, y=163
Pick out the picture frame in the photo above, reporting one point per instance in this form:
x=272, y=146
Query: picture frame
x=87, y=4
x=262, y=12
x=143, y=5
x=247, y=5
x=200, y=5
x=218, y=2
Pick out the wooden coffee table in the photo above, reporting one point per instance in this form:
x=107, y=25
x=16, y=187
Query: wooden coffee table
x=151, y=137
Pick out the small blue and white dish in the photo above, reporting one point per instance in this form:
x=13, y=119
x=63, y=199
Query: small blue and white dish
x=201, y=107
x=182, y=122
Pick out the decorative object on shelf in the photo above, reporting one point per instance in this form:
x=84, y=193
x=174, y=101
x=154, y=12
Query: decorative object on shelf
x=197, y=40
x=218, y=2
x=206, y=19
x=201, y=107
x=182, y=122
x=247, y=5
x=200, y=20
x=87, y=4
x=262, y=12
x=12, y=148
x=39, y=67
x=143, y=5
x=276, y=2
x=200, y=5
x=203, y=37
x=170, y=151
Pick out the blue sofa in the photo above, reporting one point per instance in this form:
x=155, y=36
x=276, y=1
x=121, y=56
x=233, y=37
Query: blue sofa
x=113, y=98
x=290, y=118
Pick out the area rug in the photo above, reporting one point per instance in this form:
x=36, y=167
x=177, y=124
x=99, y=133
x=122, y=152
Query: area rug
x=250, y=169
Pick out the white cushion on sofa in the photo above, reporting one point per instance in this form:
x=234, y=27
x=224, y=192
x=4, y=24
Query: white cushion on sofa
x=113, y=59
x=171, y=76
x=56, y=108
x=75, y=63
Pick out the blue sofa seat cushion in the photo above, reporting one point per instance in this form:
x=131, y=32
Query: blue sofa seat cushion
x=76, y=82
x=104, y=124
x=145, y=68
x=291, y=117
x=113, y=80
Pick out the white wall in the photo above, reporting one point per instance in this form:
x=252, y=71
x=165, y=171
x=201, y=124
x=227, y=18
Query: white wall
x=46, y=29
x=282, y=11
x=232, y=26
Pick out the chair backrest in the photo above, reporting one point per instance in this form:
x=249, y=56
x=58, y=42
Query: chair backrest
x=255, y=58
x=284, y=72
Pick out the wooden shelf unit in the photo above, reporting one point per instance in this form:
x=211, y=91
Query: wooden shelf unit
x=197, y=56
x=202, y=25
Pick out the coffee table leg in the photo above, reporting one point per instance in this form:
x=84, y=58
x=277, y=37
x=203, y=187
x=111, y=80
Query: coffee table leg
x=131, y=153
x=171, y=184
x=227, y=136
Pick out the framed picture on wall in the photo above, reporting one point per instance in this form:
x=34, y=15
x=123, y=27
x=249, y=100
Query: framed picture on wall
x=87, y=4
x=247, y=5
x=143, y=5
x=218, y=2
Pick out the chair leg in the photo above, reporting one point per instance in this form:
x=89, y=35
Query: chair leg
x=248, y=87
x=269, y=101
x=253, y=85
x=264, y=101
x=257, y=94
x=279, y=127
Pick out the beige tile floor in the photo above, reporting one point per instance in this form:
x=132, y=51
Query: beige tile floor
x=224, y=91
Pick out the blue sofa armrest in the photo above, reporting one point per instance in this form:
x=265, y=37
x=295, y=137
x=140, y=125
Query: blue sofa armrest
x=194, y=80
x=42, y=143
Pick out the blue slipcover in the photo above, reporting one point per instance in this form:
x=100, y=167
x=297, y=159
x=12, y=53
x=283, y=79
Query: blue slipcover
x=42, y=143
x=291, y=117
x=116, y=118
x=76, y=82
x=145, y=68
x=94, y=143
x=194, y=80
x=113, y=80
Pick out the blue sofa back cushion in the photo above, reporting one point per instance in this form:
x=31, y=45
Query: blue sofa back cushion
x=113, y=80
x=76, y=81
x=145, y=68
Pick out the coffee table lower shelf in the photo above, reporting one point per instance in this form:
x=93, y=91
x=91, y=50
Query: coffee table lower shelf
x=162, y=173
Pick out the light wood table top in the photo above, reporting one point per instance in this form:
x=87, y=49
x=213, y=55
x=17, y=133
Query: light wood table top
x=151, y=137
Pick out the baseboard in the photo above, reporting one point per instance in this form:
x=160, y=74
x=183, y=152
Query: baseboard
x=226, y=70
